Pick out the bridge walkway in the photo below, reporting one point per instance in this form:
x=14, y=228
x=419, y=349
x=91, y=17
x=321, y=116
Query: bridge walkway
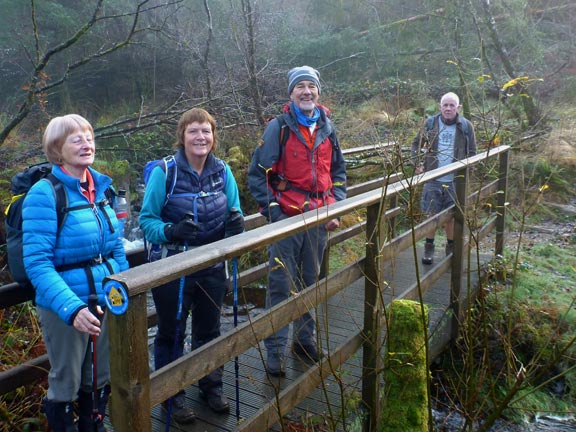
x=344, y=312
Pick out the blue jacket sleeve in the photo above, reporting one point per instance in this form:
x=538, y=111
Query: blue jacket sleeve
x=150, y=218
x=231, y=190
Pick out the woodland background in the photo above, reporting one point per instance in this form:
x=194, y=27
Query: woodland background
x=131, y=67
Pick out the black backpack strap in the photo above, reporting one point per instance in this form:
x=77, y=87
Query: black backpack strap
x=61, y=199
x=284, y=132
x=283, y=138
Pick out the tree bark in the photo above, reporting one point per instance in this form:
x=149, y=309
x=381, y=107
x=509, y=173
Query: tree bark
x=38, y=85
x=249, y=21
x=532, y=113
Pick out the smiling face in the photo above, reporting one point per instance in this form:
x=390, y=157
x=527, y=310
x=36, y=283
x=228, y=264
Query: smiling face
x=78, y=150
x=198, y=140
x=305, y=96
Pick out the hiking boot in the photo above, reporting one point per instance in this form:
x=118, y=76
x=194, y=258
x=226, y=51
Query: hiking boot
x=449, y=248
x=180, y=412
x=307, y=352
x=428, y=257
x=60, y=415
x=216, y=400
x=275, y=365
x=85, y=414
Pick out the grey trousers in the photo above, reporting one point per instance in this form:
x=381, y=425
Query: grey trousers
x=71, y=358
x=294, y=264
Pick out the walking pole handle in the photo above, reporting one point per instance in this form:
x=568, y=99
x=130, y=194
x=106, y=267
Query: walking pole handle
x=92, y=304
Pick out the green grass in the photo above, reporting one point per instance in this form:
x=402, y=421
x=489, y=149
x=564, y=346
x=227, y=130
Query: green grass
x=519, y=345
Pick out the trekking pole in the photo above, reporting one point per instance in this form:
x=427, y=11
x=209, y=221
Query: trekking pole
x=176, y=338
x=235, y=310
x=96, y=416
x=177, y=333
x=235, y=225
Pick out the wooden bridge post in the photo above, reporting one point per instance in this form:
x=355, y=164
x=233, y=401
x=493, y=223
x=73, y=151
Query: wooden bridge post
x=130, y=374
x=372, y=312
x=460, y=209
x=501, y=202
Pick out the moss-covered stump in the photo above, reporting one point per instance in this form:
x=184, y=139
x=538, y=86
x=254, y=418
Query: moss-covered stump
x=405, y=398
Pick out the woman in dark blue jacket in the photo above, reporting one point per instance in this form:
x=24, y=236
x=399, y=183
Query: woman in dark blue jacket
x=191, y=201
x=66, y=265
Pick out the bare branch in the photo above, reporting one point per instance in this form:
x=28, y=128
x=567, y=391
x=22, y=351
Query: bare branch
x=36, y=86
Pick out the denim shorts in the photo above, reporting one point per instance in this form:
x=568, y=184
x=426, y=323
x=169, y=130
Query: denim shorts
x=437, y=196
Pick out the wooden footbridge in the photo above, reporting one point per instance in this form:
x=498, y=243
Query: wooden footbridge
x=350, y=303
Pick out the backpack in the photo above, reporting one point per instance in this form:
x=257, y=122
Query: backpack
x=19, y=186
x=169, y=167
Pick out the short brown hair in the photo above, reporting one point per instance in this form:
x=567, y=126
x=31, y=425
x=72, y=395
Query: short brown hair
x=195, y=115
x=58, y=130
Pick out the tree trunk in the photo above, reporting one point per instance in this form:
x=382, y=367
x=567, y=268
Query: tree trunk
x=532, y=113
x=204, y=60
x=249, y=20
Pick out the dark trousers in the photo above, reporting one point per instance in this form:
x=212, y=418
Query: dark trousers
x=202, y=297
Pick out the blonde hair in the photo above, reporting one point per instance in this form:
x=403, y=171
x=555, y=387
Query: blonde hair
x=58, y=130
x=198, y=115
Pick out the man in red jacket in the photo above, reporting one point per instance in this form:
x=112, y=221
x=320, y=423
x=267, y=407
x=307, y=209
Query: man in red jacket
x=291, y=174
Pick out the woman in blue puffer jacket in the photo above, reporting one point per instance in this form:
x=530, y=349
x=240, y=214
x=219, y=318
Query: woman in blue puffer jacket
x=66, y=265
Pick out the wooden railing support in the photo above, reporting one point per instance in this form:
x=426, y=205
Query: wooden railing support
x=372, y=312
x=460, y=209
x=130, y=380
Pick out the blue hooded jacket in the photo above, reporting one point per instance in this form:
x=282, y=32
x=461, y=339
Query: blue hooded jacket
x=86, y=234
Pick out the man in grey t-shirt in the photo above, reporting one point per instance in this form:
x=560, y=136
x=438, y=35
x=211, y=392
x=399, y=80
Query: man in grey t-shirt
x=446, y=137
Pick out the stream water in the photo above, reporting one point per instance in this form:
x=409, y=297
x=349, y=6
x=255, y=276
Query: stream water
x=444, y=422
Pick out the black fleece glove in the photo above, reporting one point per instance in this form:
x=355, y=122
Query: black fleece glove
x=234, y=223
x=185, y=230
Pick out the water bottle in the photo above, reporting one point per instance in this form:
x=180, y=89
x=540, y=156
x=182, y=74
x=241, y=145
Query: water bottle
x=121, y=211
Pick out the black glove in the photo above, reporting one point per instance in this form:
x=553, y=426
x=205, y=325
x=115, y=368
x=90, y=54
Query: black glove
x=185, y=230
x=234, y=223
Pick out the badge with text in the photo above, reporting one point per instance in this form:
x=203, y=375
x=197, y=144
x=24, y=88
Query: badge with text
x=116, y=297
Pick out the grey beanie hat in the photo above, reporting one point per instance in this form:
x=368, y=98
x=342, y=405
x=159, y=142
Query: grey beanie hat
x=302, y=73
